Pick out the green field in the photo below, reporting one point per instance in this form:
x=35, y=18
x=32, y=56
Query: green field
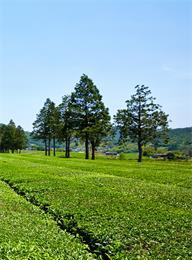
x=57, y=208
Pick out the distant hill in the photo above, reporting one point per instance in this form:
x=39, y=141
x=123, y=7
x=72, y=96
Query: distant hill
x=32, y=142
x=35, y=143
x=179, y=139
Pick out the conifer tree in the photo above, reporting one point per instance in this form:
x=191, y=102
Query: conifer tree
x=142, y=121
x=53, y=123
x=66, y=123
x=91, y=116
x=12, y=137
x=20, y=138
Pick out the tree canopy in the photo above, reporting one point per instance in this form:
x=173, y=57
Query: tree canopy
x=142, y=121
x=12, y=137
x=46, y=124
x=66, y=123
x=83, y=115
x=92, y=117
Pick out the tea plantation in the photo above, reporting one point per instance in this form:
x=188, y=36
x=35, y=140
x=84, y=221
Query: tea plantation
x=57, y=208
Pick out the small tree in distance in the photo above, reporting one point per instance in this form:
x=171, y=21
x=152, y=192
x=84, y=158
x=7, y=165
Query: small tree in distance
x=12, y=137
x=142, y=121
x=20, y=138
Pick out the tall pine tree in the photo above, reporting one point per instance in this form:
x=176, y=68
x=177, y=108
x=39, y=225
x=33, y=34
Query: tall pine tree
x=66, y=123
x=142, y=121
x=46, y=124
x=91, y=116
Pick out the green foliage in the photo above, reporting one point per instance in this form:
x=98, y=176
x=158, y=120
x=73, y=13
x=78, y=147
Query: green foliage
x=40, y=125
x=82, y=114
x=46, y=125
x=150, y=151
x=143, y=121
x=92, y=118
x=181, y=139
x=122, y=156
x=66, y=123
x=133, y=211
x=12, y=137
x=177, y=155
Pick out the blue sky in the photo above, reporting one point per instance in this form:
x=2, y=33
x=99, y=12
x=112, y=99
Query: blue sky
x=46, y=45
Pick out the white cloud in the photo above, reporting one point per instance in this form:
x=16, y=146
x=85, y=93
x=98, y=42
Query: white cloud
x=167, y=68
x=178, y=73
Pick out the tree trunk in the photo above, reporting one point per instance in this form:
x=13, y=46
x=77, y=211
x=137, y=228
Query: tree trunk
x=68, y=148
x=54, y=150
x=140, y=152
x=86, y=146
x=49, y=146
x=139, y=132
x=45, y=147
x=93, y=150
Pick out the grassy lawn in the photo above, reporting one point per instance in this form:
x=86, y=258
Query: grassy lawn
x=125, y=209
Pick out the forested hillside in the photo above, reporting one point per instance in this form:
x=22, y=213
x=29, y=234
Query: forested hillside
x=179, y=139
